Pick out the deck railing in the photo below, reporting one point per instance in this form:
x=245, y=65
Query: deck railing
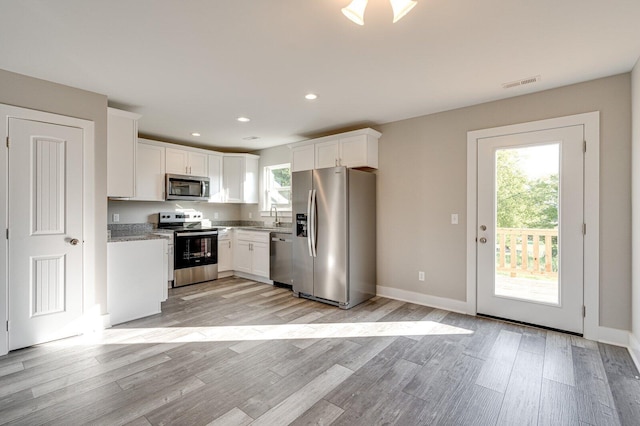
x=527, y=251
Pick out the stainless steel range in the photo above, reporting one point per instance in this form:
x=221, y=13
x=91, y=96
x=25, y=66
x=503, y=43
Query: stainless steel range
x=195, y=247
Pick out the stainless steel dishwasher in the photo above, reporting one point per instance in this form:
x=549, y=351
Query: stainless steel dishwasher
x=281, y=258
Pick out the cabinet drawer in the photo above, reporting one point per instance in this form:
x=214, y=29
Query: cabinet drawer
x=252, y=236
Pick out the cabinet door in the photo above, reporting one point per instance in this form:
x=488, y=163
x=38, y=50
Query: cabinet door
x=177, y=161
x=150, y=172
x=198, y=164
x=122, y=136
x=353, y=151
x=260, y=259
x=250, y=185
x=224, y=255
x=327, y=154
x=216, y=193
x=233, y=181
x=303, y=158
x=242, y=256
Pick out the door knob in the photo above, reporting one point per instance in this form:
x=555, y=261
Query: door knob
x=482, y=240
x=74, y=242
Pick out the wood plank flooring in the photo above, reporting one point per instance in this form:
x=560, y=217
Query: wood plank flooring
x=236, y=352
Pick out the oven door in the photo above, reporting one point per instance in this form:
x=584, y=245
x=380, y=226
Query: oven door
x=195, y=257
x=195, y=249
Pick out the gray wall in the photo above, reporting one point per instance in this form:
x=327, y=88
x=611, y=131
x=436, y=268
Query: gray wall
x=22, y=91
x=635, y=300
x=422, y=180
x=147, y=211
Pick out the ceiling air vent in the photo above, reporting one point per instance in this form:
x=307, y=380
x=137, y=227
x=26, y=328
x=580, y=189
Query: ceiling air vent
x=522, y=82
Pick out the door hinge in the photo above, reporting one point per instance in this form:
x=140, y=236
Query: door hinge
x=584, y=146
x=7, y=325
x=584, y=229
x=7, y=141
x=584, y=311
x=7, y=233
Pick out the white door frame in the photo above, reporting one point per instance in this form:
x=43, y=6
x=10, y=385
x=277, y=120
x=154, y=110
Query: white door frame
x=591, y=123
x=88, y=130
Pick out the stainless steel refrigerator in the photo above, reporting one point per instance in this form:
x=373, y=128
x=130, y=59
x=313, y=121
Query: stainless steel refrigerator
x=334, y=243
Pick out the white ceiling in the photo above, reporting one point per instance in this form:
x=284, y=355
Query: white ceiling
x=197, y=65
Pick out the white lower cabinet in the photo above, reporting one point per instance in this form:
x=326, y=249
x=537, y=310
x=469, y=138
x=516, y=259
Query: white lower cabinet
x=136, y=279
x=225, y=252
x=251, y=253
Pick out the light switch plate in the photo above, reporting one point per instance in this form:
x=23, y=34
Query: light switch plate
x=116, y=217
x=454, y=218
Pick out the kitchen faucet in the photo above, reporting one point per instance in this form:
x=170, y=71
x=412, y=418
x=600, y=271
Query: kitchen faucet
x=270, y=211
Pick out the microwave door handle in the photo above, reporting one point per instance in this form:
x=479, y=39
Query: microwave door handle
x=202, y=188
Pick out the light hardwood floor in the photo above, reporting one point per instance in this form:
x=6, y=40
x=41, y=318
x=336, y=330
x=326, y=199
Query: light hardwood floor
x=236, y=352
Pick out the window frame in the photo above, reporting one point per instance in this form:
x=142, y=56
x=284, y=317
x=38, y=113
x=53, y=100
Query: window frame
x=267, y=175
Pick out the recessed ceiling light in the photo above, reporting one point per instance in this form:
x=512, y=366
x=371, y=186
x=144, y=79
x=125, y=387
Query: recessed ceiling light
x=195, y=134
x=311, y=96
x=251, y=138
x=243, y=119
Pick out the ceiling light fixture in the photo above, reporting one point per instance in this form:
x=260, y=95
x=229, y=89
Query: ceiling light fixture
x=311, y=96
x=355, y=10
x=243, y=119
x=196, y=134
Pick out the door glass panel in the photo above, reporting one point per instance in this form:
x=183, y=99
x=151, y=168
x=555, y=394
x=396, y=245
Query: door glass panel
x=527, y=246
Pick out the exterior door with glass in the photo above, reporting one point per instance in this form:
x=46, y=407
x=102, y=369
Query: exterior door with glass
x=530, y=222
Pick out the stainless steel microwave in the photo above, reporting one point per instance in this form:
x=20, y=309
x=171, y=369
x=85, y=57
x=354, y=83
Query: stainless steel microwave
x=186, y=187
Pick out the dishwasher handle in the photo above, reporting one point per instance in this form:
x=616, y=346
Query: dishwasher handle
x=278, y=239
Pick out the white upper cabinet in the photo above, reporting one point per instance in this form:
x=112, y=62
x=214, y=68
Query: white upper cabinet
x=357, y=149
x=240, y=178
x=122, y=137
x=303, y=158
x=216, y=191
x=150, y=171
x=186, y=162
x=327, y=154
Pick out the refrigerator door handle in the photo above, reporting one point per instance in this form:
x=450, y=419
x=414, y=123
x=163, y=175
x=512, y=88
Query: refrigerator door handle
x=309, y=222
x=314, y=224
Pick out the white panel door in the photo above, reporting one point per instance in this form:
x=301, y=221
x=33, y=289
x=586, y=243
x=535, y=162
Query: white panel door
x=353, y=151
x=530, y=236
x=150, y=173
x=177, y=161
x=233, y=178
x=260, y=259
x=327, y=154
x=45, y=225
x=216, y=191
x=198, y=164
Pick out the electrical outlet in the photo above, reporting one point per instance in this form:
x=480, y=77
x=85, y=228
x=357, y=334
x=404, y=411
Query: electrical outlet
x=250, y=215
x=420, y=275
x=216, y=215
x=116, y=217
x=454, y=218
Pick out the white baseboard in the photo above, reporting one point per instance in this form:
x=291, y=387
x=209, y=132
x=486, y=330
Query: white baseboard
x=253, y=277
x=634, y=349
x=423, y=299
x=613, y=336
x=106, y=321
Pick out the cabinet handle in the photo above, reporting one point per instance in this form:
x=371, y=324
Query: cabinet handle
x=336, y=162
x=229, y=243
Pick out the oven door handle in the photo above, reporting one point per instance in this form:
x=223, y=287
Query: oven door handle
x=195, y=234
